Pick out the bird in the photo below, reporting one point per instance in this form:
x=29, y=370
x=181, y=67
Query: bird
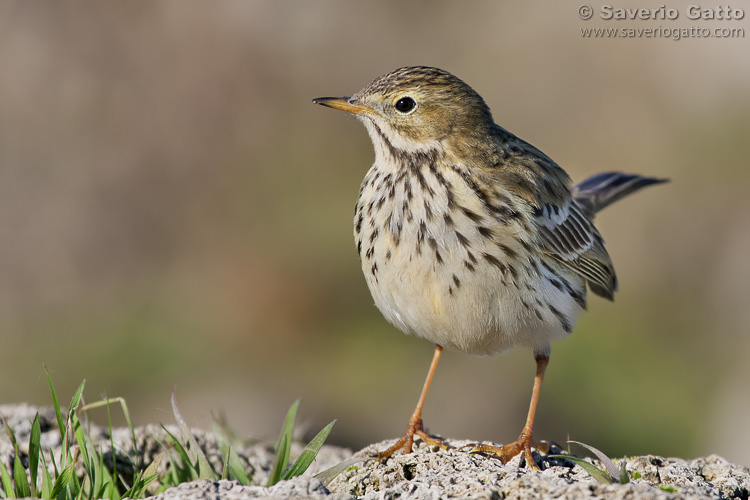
x=470, y=237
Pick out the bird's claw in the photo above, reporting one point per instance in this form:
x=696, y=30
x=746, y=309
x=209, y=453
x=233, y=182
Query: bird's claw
x=415, y=427
x=505, y=453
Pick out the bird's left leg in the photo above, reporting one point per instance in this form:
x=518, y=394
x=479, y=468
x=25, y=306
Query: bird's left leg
x=525, y=441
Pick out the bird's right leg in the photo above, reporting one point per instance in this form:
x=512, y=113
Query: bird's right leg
x=415, y=425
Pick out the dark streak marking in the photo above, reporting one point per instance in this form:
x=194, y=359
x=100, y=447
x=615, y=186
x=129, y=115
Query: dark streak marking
x=463, y=239
x=562, y=318
x=494, y=261
x=471, y=215
x=508, y=251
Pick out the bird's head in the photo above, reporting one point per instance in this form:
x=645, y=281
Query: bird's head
x=416, y=109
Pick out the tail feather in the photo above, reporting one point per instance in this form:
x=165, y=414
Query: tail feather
x=601, y=190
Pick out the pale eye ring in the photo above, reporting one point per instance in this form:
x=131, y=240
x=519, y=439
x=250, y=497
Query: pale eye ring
x=405, y=105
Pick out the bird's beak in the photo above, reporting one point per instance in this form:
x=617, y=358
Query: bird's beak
x=348, y=104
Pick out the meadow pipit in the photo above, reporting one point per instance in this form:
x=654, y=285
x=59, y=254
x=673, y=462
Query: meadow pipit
x=470, y=237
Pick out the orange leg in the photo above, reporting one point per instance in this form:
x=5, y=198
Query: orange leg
x=525, y=440
x=415, y=425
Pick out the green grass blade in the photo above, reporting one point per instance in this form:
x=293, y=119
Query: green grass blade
x=328, y=475
x=5, y=480
x=66, y=454
x=139, y=486
x=63, y=481
x=62, y=422
x=98, y=485
x=104, y=491
x=34, y=452
x=75, y=484
x=10, y=433
x=172, y=477
x=19, y=477
x=598, y=474
x=125, y=412
x=46, y=480
x=187, y=465
x=612, y=469
x=54, y=464
x=234, y=467
x=12, y=438
x=56, y=405
x=284, y=445
x=205, y=471
x=153, y=467
x=309, y=453
x=80, y=439
x=19, y=474
x=10, y=492
x=91, y=482
x=624, y=478
x=145, y=478
x=282, y=458
x=109, y=485
x=76, y=398
x=225, y=467
x=112, y=446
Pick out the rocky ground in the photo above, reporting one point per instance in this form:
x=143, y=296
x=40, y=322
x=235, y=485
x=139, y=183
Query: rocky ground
x=428, y=473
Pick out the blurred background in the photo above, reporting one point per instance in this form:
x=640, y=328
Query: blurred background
x=176, y=212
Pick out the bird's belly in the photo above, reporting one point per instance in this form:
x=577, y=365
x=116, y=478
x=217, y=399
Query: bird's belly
x=439, y=265
x=485, y=314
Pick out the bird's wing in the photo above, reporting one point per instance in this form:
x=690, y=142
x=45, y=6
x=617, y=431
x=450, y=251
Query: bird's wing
x=570, y=237
x=565, y=232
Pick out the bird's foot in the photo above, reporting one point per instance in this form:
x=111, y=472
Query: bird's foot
x=524, y=443
x=415, y=427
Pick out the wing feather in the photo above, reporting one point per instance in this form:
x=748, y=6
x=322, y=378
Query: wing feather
x=570, y=237
x=565, y=231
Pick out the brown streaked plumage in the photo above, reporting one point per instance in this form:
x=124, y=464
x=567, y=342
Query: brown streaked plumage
x=469, y=236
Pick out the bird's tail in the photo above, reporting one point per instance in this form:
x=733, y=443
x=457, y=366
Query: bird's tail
x=601, y=190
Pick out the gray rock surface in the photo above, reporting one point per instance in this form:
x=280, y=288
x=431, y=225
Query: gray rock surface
x=428, y=473
x=434, y=473
x=297, y=488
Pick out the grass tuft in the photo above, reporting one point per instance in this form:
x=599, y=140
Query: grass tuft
x=611, y=472
x=328, y=475
x=284, y=445
x=58, y=476
x=283, y=449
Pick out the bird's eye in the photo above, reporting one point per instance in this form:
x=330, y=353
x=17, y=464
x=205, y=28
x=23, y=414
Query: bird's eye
x=405, y=104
